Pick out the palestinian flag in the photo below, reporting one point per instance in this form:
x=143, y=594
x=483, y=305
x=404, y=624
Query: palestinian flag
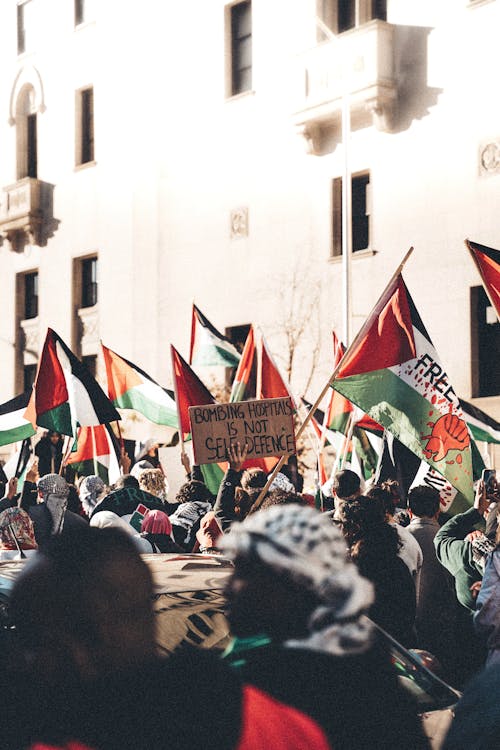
x=269, y=380
x=189, y=390
x=482, y=427
x=393, y=373
x=208, y=346
x=244, y=387
x=487, y=261
x=96, y=453
x=14, y=426
x=65, y=394
x=340, y=410
x=131, y=388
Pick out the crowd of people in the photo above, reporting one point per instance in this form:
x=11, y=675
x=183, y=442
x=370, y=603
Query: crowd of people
x=309, y=598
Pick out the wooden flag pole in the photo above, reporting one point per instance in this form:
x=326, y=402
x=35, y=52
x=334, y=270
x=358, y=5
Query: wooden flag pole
x=347, y=439
x=328, y=384
x=67, y=445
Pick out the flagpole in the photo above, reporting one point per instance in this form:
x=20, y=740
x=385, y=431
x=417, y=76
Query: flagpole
x=328, y=384
x=65, y=453
x=348, y=438
x=94, y=452
x=258, y=351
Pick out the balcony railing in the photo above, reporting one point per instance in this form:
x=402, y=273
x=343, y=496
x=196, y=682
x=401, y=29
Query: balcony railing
x=26, y=213
x=358, y=64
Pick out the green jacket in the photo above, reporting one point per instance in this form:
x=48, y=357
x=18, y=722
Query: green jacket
x=456, y=554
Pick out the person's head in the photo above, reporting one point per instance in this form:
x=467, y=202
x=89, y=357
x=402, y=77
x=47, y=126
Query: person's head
x=346, y=484
x=54, y=437
x=424, y=501
x=126, y=480
x=253, y=478
x=83, y=606
x=291, y=580
x=15, y=524
x=138, y=467
x=156, y=522
x=91, y=490
x=281, y=482
x=193, y=491
x=154, y=482
x=368, y=535
x=52, y=485
x=74, y=504
x=280, y=497
x=380, y=494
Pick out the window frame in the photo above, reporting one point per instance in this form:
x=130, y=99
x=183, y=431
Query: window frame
x=85, y=127
x=30, y=309
x=234, y=85
x=89, y=288
x=363, y=11
x=336, y=213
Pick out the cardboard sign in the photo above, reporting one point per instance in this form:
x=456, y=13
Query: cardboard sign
x=264, y=426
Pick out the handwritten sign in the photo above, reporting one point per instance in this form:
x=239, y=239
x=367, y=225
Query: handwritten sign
x=265, y=427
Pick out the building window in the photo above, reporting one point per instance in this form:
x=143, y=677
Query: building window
x=21, y=28
x=80, y=12
x=485, y=345
x=29, y=375
x=241, y=48
x=89, y=282
x=26, y=133
x=30, y=295
x=342, y=15
x=85, y=126
x=360, y=213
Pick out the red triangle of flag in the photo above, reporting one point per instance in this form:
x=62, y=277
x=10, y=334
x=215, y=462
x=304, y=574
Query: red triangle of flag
x=386, y=338
x=189, y=390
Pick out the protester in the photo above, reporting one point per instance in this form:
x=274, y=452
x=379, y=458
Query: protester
x=9, y=501
x=125, y=480
x=16, y=533
x=194, y=501
x=476, y=717
x=106, y=519
x=462, y=552
x=149, y=453
x=436, y=603
x=154, y=482
x=92, y=488
x=487, y=614
x=49, y=451
x=345, y=486
x=374, y=546
x=85, y=622
x=297, y=608
x=409, y=550
x=51, y=516
x=156, y=528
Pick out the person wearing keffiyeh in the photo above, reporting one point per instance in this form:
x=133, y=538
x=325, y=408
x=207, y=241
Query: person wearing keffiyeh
x=297, y=607
x=16, y=532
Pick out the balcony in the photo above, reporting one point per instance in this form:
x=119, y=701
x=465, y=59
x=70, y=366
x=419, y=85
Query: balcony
x=358, y=64
x=26, y=215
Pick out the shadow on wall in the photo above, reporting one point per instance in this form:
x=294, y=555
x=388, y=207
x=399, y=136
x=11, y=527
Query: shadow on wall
x=414, y=97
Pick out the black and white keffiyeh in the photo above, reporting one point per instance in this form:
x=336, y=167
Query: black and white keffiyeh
x=303, y=544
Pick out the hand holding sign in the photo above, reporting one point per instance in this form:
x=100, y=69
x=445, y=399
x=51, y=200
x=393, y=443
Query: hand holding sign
x=237, y=456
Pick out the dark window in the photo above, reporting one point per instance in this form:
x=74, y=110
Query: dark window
x=86, y=126
x=241, y=48
x=29, y=375
x=21, y=30
x=90, y=363
x=360, y=219
x=346, y=15
x=79, y=11
x=379, y=9
x=30, y=295
x=32, y=146
x=485, y=345
x=89, y=282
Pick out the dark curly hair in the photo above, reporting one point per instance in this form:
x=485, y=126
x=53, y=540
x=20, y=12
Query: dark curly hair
x=253, y=478
x=194, y=490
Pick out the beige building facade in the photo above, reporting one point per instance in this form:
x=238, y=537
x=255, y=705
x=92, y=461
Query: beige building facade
x=158, y=153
